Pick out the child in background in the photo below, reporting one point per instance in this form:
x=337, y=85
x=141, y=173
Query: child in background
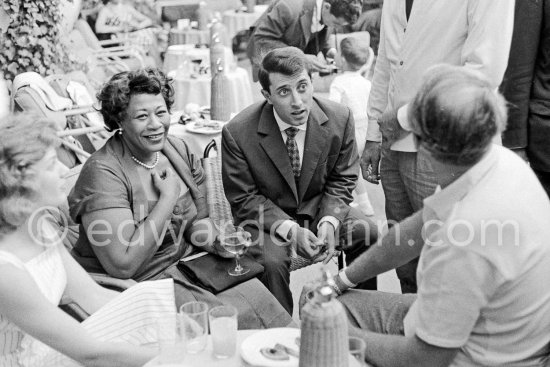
x=352, y=90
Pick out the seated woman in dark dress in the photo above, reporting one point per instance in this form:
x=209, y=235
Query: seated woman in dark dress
x=140, y=201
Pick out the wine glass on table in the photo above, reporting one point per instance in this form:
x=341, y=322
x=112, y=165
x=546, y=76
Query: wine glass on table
x=236, y=241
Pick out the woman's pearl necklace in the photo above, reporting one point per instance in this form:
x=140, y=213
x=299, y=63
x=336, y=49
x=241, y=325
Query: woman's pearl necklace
x=148, y=166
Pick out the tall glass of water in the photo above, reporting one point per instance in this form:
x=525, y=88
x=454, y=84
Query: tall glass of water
x=171, y=339
x=223, y=328
x=194, y=320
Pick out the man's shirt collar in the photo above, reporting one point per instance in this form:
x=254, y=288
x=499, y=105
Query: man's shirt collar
x=283, y=125
x=442, y=202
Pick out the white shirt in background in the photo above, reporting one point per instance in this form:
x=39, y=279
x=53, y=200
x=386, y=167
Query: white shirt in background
x=473, y=33
x=352, y=89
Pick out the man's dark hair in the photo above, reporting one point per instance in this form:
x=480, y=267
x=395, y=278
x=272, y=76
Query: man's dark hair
x=350, y=10
x=285, y=60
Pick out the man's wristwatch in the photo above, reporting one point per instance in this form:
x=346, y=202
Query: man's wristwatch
x=337, y=289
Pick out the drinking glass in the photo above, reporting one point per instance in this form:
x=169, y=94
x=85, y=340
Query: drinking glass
x=171, y=339
x=194, y=319
x=236, y=241
x=223, y=327
x=357, y=348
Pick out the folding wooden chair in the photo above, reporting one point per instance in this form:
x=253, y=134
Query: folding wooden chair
x=120, y=51
x=32, y=93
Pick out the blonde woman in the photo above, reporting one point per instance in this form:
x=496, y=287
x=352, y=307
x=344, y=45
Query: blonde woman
x=36, y=270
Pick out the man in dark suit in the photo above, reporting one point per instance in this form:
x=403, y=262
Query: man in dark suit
x=289, y=166
x=526, y=86
x=305, y=24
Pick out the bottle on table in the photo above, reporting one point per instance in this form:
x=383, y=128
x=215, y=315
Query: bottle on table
x=203, y=16
x=324, y=336
x=250, y=5
x=220, y=108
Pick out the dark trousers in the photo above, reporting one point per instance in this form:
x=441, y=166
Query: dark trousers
x=407, y=179
x=357, y=233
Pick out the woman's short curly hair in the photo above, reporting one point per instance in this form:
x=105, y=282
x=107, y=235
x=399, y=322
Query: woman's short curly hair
x=115, y=95
x=350, y=10
x=456, y=114
x=24, y=140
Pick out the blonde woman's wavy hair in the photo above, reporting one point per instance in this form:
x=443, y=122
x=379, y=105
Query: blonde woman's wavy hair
x=24, y=140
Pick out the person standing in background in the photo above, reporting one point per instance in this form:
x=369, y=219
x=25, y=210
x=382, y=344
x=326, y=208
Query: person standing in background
x=352, y=89
x=305, y=24
x=475, y=34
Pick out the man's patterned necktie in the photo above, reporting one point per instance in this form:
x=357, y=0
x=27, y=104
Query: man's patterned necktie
x=292, y=149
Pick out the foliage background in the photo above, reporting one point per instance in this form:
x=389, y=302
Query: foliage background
x=32, y=41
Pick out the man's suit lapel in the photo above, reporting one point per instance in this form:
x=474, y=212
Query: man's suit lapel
x=272, y=143
x=316, y=138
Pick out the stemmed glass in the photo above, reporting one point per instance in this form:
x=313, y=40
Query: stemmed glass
x=236, y=241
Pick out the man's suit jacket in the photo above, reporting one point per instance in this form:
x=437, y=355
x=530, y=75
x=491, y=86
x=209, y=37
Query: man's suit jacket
x=285, y=23
x=257, y=173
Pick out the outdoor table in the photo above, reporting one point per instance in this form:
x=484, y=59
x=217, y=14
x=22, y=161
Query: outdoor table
x=187, y=36
x=236, y=20
x=196, y=89
x=206, y=358
x=196, y=142
x=175, y=56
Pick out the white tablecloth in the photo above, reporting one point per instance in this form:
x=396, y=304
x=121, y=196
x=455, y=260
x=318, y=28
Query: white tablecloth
x=197, y=90
x=194, y=36
x=236, y=21
x=175, y=56
x=207, y=359
x=196, y=142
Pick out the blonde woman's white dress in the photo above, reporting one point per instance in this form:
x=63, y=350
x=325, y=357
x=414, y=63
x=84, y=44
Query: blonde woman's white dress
x=129, y=317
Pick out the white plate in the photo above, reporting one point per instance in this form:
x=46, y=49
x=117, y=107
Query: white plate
x=250, y=347
x=191, y=127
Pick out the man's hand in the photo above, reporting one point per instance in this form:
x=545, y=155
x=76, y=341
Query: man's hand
x=370, y=162
x=327, y=235
x=309, y=287
x=307, y=244
x=331, y=54
x=317, y=63
x=390, y=128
